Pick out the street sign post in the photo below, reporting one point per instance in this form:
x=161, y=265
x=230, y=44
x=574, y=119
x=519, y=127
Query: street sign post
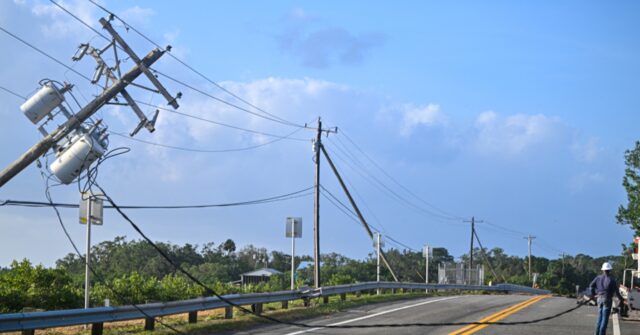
x=293, y=230
x=91, y=211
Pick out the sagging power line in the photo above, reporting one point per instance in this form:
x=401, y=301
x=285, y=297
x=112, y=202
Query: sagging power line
x=283, y=197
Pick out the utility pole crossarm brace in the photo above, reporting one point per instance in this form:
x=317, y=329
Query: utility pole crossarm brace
x=143, y=67
x=357, y=210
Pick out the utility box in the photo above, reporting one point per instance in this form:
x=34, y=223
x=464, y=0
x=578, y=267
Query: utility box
x=97, y=208
x=42, y=103
x=83, y=150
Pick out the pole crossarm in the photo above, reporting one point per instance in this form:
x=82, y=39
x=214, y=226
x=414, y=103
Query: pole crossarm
x=357, y=210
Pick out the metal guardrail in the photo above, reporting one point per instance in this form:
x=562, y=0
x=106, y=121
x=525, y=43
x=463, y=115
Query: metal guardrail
x=99, y=315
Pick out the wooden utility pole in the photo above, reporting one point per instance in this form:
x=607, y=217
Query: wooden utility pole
x=316, y=209
x=530, y=239
x=473, y=231
x=117, y=87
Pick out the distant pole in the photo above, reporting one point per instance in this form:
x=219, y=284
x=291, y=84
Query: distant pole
x=426, y=266
x=378, y=266
x=293, y=254
x=529, y=239
x=316, y=209
x=562, y=265
x=87, y=266
x=473, y=227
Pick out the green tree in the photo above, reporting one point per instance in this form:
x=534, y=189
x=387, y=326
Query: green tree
x=630, y=214
x=24, y=285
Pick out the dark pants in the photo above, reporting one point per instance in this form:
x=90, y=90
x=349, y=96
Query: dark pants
x=603, y=318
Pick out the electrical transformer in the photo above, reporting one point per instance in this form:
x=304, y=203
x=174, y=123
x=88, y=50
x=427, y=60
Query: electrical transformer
x=82, y=151
x=42, y=103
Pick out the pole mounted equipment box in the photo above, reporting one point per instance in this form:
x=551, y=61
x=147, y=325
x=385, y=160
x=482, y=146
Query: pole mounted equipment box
x=97, y=208
x=294, y=227
x=42, y=103
x=78, y=156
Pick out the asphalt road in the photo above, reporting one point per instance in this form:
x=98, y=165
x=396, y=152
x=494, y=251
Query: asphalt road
x=460, y=309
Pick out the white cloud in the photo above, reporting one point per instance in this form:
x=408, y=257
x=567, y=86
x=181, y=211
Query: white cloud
x=137, y=16
x=415, y=116
x=513, y=134
x=60, y=24
x=586, y=150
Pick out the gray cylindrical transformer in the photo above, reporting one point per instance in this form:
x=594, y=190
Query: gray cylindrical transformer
x=42, y=103
x=83, y=151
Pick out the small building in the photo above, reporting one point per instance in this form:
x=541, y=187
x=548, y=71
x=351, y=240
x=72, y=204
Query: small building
x=258, y=276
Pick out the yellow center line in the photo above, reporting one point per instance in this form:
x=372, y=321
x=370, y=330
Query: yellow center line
x=488, y=318
x=470, y=329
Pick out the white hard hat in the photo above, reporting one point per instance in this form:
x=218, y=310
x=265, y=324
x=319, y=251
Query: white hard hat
x=606, y=266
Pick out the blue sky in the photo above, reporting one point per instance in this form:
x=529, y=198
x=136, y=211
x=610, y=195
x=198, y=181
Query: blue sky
x=518, y=114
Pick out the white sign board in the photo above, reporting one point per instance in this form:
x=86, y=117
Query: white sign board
x=427, y=251
x=96, y=208
x=294, y=227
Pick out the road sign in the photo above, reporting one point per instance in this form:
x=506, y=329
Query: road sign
x=427, y=251
x=294, y=225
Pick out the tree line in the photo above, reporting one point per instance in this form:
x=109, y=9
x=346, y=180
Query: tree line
x=131, y=271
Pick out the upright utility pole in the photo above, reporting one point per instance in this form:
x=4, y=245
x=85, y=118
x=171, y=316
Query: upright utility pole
x=316, y=209
x=378, y=264
x=293, y=255
x=117, y=87
x=473, y=232
x=529, y=239
x=562, y=264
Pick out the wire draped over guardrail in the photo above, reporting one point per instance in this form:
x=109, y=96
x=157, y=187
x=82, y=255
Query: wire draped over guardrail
x=71, y=317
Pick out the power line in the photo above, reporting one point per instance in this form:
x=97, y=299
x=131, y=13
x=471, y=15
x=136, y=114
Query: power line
x=44, y=53
x=282, y=120
x=388, y=175
x=353, y=216
x=486, y=259
x=93, y=271
x=220, y=123
x=351, y=186
x=202, y=150
x=282, y=197
x=13, y=93
x=270, y=116
x=230, y=104
x=386, y=189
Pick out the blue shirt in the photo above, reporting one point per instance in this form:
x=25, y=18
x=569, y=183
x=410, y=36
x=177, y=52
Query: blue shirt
x=605, y=287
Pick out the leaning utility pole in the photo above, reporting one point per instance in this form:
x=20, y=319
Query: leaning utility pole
x=117, y=87
x=473, y=232
x=529, y=239
x=356, y=209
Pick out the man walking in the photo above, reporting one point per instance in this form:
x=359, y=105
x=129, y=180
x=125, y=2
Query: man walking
x=604, y=286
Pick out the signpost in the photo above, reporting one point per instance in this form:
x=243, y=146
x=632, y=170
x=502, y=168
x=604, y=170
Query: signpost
x=637, y=255
x=293, y=230
x=91, y=210
x=426, y=252
x=378, y=244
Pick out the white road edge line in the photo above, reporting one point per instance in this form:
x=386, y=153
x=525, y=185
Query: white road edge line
x=616, y=324
x=373, y=315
